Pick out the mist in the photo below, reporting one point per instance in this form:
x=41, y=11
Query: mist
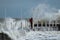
x=45, y=11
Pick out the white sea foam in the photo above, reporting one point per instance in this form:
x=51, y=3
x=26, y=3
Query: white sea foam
x=21, y=34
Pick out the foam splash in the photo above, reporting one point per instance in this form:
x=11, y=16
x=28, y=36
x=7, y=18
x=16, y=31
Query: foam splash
x=13, y=28
x=45, y=11
x=15, y=32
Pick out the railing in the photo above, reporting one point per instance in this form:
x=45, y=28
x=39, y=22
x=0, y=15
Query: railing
x=47, y=26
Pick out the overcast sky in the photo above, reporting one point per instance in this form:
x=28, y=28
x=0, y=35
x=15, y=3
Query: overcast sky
x=16, y=8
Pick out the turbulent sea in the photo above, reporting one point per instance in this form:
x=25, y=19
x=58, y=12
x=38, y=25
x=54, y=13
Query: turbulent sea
x=14, y=30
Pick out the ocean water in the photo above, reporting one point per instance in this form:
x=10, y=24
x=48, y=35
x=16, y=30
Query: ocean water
x=17, y=31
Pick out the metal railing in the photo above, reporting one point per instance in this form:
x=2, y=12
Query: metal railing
x=46, y=26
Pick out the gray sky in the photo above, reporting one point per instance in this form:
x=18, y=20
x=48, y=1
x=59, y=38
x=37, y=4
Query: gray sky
x=16, y=8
